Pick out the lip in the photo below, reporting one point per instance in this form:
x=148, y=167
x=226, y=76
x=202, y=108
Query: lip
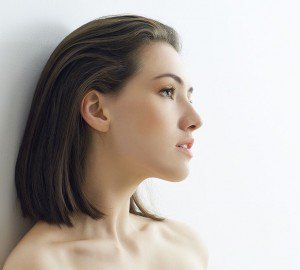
x=189, y=142
x=185, y=151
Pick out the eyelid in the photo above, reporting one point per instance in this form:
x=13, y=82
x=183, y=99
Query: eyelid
x=172, y=89
x=170, y=86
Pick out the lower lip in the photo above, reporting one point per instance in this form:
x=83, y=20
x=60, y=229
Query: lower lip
x=186, y=151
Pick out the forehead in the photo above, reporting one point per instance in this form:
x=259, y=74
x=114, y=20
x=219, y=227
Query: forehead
x=160, y=58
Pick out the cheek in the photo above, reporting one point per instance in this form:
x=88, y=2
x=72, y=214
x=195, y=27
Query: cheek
x=144, y=134
x=143, y=124
x=156, y=148
x=151, y=120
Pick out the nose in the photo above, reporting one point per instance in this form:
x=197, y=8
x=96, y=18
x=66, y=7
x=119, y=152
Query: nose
x=196, y=122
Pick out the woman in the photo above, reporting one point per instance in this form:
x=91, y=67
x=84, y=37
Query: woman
x=112, y=108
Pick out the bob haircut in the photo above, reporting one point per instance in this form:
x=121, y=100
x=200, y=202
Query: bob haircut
x=101, y=54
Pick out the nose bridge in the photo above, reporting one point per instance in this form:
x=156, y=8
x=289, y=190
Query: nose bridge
x=192, y=117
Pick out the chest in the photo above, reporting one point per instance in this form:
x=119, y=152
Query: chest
x=146, y=257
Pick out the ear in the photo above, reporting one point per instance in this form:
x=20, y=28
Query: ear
x=94, y=112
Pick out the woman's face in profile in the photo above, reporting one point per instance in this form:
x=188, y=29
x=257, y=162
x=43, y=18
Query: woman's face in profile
x=146, y=122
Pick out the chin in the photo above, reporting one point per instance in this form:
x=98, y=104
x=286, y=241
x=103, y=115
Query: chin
x=169, y=171
x=175, y=176
x=174, y=180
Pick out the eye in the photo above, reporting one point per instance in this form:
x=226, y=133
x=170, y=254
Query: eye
x=167, y=90
x=170, y=89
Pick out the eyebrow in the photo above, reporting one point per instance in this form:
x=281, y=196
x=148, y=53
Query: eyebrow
x=175, y=77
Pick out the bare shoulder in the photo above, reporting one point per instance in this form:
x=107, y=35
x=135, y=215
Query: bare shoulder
x=26, y=256
x=190, y=238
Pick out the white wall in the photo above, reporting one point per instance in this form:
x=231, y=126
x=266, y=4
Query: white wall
x=241, y=194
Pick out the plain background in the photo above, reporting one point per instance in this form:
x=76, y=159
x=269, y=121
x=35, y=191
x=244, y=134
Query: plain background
x=242, y=191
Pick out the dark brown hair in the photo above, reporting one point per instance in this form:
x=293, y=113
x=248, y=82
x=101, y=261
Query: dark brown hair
x=101, y=54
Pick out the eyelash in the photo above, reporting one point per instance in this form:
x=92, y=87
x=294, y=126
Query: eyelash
x=171, y=89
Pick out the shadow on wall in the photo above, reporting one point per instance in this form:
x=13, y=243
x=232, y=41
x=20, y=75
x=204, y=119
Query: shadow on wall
x=24, y=53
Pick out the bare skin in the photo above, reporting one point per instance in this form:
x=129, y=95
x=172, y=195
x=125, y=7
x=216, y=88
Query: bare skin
x=166, y=245
x=133, y=138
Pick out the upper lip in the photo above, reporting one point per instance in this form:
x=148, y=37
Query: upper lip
x=189, y=142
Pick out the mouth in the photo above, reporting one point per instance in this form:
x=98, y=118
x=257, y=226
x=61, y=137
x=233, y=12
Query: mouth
x=186, y=151
x=188, y=143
